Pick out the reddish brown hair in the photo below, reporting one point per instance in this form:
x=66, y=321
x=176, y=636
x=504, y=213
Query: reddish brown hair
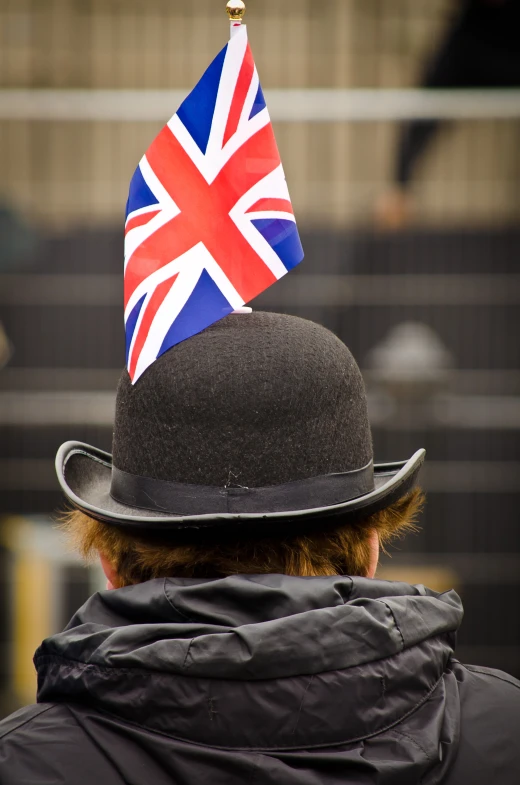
x=342, y=550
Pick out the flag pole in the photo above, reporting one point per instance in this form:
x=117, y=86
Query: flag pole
x=235, y=11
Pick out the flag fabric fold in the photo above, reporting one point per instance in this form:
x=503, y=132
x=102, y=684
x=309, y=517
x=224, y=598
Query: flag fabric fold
x=209, y=221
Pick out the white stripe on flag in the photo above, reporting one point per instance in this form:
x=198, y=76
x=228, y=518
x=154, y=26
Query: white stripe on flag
x=168, y=211
x=273, y=186
x=250, y=99
x=142, y=211
x=223, y=282
x=273, y=214
x=152, y=281
x=191, y=148
x=233, y=60
x=260, y=245
x=193, y=262
x=170, y=308
x=243, y=134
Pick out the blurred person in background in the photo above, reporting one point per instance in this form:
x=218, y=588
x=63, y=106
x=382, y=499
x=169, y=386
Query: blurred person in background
x=480, y=50
x=244, y=637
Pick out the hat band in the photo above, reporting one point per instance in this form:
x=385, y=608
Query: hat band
x=180, y=499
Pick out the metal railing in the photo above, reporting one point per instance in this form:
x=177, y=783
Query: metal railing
x=317, y=105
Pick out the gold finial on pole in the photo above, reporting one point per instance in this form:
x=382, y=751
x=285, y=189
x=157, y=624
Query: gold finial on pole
x=236, y=10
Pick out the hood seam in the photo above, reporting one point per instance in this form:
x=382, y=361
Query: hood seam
x=395, y=623
x=172, y=605
x=70, y=662
x=302, y=702
x=414, y=741
x=321, y=745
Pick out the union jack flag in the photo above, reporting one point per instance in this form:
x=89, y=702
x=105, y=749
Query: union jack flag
x=209, y=218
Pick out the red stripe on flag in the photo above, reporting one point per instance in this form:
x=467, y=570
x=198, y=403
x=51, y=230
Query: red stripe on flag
x=239, y=98
x=277, y=205
x=156, y=301
x=140, y=220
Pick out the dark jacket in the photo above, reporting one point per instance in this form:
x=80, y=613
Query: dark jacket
x=264, y=679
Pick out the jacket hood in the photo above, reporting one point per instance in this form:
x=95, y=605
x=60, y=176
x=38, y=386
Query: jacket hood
x=257, y=662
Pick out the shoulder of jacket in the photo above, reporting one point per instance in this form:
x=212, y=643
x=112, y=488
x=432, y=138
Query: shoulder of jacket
x=493, y=676
x=488, y=749
x=24, y=716
x=480, y=686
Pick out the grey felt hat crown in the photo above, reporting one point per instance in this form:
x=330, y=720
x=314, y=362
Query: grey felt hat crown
x=260, y=417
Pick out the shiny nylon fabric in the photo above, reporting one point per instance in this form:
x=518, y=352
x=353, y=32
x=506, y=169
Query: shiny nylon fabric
x=261, y=679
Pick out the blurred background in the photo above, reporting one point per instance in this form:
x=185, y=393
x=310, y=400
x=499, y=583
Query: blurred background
x=398, y=123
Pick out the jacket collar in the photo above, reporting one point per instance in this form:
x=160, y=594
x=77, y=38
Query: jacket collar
x=252, y=648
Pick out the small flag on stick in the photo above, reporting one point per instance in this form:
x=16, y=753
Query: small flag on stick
x=209, y=218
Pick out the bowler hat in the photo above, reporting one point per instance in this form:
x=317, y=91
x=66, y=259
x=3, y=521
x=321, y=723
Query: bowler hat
x=261, y=419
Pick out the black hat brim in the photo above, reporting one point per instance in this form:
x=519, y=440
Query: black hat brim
x=85, y=476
